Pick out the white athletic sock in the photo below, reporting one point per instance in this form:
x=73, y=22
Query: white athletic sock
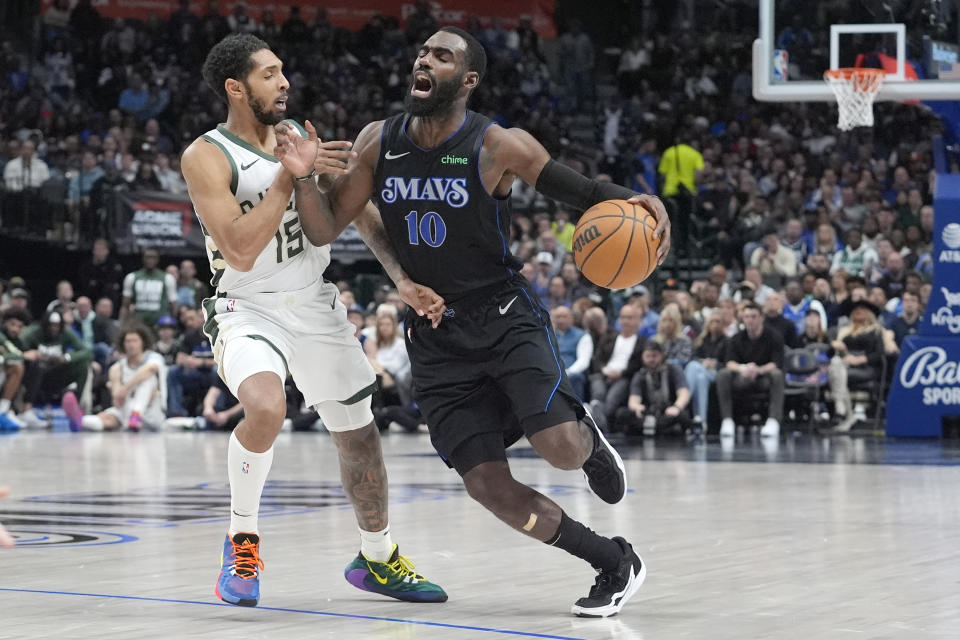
x=4, y=406
x=376, y=545
x=92, y=423
x=247, y=472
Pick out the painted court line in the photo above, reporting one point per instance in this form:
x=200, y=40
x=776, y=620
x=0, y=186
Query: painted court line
x=331, y=614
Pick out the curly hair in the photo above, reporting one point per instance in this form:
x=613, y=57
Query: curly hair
x=138, y=328
x=231, y=58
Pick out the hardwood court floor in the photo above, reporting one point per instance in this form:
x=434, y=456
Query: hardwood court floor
x=120, y=537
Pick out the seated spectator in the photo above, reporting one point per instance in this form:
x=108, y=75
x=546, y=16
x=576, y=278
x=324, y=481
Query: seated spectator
x=793, y=240
x=718, y=277
x=100, y=275
x=813, y=334
x=595, y=323
x=576, y=287
x=908, y=322
x=134, y=388
x=818, y=265
x=708, y=355
x=772, y=258
x=557, y=293
x=859, y=357
x=166, y=344
x=64, y=299
x=615, y=359
x=754, y=362
x=576, y=348
x=191, y=376
x=388, y=355
x=878, y=298
x=709, y=297
x=677, y=347
x=96, y=332
x=760, y=291
x=855, y=258
x=11, y=358
x=658, y=396
x=773, y=319
x=799, y=303
x=649, y=319
x=894, y=278
x=190, y=291
x=221, y=410
x=543, y=271
x=56, y=360
x=14, y=321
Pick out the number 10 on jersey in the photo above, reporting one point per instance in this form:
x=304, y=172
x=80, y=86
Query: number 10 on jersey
x=429, y=228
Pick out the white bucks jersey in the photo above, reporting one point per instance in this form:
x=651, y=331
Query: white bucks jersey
x=288, y=262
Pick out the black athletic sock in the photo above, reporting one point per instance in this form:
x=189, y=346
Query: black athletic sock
x=578, y=540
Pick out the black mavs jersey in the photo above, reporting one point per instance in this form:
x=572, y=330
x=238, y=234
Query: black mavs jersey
x=447, y=231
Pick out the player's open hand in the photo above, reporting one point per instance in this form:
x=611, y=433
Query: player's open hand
x=423, y=300
x=294, y=152
x=654, y=205
x=6, y=540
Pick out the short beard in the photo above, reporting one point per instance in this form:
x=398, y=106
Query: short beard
x=439, y=103
x=260, y=112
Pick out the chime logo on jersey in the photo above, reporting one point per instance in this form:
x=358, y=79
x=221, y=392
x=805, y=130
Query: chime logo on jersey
x=453, y=191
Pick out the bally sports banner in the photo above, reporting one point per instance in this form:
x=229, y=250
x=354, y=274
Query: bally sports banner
x=926, y=384
x=353, y=14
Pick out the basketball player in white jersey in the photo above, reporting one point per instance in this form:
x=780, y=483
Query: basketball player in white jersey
x=274, y=315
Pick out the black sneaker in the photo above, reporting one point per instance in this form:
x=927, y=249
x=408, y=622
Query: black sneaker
x=604, y=468
x=613, y=588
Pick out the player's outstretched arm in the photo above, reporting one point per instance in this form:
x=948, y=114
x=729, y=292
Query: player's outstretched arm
x=306, y=158
x=6, y=540
x=239, y=236
x=517, y=152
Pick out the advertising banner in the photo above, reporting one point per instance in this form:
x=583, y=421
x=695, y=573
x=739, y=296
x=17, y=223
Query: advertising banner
x=926, y=384
x=158, y=220
x=353, y=14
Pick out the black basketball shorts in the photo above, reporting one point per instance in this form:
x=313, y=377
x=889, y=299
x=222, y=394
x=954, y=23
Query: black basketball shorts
x=489, y=374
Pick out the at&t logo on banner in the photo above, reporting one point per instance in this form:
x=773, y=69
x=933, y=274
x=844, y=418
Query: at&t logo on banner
x=951, y=240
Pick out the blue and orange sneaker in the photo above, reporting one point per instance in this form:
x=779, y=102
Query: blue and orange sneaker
x=394, y=578
x=240, y=566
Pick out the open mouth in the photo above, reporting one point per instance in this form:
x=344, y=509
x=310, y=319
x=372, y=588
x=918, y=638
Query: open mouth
x=281, y=103
x=422, y=85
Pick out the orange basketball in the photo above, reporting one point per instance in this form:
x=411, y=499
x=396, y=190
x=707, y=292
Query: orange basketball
x=614, y=245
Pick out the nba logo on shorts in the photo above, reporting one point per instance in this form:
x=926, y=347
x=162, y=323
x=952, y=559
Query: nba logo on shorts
x=245, y=467
x=231, y=304
x=780, y=65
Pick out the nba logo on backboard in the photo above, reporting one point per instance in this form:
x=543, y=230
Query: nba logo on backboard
x=781, y=69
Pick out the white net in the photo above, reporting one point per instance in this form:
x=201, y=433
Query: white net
x=855, y=89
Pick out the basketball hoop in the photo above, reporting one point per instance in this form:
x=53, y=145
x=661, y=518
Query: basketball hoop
x=855, y=88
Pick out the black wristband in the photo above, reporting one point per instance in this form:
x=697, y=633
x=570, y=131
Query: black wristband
x=312, y=173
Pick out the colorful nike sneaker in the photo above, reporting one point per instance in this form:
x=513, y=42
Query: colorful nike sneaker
x=71, y=407
x=240, y=566
x=394, y=578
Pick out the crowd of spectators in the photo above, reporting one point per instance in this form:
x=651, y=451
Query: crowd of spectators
x=817, y=237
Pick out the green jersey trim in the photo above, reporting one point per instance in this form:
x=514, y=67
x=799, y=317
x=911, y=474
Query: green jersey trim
x=243, y=143
x=234, y=174
x=360, y=395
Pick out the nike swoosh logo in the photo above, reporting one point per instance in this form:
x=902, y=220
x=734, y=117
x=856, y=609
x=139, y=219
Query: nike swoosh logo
x=376, y=575
x=506, y=308
x=244, y=167
x=390, y=156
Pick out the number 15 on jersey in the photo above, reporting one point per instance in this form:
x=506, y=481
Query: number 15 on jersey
x=428, y=228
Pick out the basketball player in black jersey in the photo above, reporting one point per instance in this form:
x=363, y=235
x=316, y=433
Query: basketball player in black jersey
x=490, y=374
